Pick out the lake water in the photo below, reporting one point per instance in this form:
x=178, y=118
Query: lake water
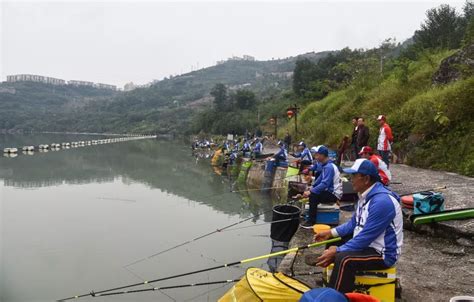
x=71, y=220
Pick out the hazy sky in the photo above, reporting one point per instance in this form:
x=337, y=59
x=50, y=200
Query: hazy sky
x=118, y=42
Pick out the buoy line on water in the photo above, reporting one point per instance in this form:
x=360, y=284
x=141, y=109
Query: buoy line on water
x=13, y=152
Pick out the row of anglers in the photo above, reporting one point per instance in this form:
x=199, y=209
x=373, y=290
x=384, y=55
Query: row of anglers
x=306, y=156
x=372, y=239
x=66, y=145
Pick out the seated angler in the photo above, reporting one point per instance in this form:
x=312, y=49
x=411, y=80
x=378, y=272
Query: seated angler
x=375, y=230
x=384, y=173
x=327, y=188
x=315, y=167
x=246, y=149
x=281, y=157
x=306, y=159
x=258, y=149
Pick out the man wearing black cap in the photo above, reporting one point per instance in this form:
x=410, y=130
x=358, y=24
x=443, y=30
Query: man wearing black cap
x=376, y=228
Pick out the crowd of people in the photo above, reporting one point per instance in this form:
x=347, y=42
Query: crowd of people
x=372, y=239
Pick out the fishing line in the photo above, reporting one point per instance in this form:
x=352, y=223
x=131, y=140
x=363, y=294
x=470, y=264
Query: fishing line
x=248, y=260
x=195, y=239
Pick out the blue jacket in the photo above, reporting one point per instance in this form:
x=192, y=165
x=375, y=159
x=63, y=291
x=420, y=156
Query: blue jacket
x=258, y=148
x=329, y=180
x=377, y=222
x=246, y=147
x=305, y=155
x=281, y=155
x=236, y=147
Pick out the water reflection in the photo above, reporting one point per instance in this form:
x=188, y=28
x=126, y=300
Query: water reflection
x=161, y=164
x=73, y=218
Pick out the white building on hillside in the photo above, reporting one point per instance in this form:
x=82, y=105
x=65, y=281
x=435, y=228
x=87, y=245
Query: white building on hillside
x=80, y=83
x=34, y=78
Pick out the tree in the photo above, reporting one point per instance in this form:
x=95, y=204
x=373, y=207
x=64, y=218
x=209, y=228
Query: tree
x=469, y=21
x=302, y=76
x=219, y=92
x=244, y=99
x=443, y=28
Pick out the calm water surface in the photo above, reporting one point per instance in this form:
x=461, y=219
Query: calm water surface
x=71, y=220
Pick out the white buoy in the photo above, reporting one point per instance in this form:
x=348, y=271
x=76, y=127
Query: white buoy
x=28, y=148
x=43, y=147
x=10, y=150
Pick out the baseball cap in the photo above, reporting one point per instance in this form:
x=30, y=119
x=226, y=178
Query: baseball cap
x=314, y=149
x=366, y=149
x=362, y=166
x=302, y=144
x=322, y=150
x=280, y=143
x=381, y=117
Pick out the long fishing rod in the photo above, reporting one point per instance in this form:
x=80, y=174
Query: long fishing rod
x=163, y=288
x=433, y=189
x=260, y=189
x=260, y=224
x=197, y=238
x=189, y=285
x=316, y=244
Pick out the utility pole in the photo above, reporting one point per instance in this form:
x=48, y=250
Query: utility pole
x=293, y=111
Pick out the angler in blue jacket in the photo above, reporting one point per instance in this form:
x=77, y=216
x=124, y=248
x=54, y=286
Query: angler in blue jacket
x=258, y=149
x=304, y=154
x=327, y=188
x=246, y=149
x=281, y=157
x=376, y=230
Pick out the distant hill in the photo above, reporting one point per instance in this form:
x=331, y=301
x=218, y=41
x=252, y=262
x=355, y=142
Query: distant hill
x=166, y=106
x=30, y=105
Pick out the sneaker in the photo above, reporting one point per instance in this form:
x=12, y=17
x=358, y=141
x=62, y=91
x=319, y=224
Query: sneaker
x=307, y=225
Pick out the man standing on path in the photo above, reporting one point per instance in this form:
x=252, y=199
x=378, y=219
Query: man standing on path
x=354, y=146
x=376, y=228
x=385, y=139
x=362, y=134
x=327, y=188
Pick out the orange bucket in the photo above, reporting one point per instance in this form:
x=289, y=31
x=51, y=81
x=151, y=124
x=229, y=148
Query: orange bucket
x=320, y=227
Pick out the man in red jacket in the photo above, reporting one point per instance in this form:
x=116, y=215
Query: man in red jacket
x=385, y=139
x=384, y=173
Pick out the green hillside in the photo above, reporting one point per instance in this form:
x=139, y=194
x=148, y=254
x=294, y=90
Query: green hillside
x=167, y=106
x=38, y=106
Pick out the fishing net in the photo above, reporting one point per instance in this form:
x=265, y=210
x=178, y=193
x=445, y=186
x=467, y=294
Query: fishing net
x=260, y=285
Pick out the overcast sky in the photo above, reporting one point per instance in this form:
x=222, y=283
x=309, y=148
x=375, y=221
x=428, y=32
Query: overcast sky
x=118, y=42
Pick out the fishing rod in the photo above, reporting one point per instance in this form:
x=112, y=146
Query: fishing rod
x=433, y=189
x=163, y=288
x=260, y=224
x=295, y=249
x=197, y=238
x=260, y=189
x=189, y=285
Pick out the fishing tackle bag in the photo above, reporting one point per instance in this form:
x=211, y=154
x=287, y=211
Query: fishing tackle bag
x=428, y=202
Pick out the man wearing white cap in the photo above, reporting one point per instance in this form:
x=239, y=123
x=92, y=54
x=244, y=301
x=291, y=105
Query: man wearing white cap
x=376, y=230
x=385, y=139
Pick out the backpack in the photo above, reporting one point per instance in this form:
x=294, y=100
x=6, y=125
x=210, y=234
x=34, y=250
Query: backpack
x=427, y=202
